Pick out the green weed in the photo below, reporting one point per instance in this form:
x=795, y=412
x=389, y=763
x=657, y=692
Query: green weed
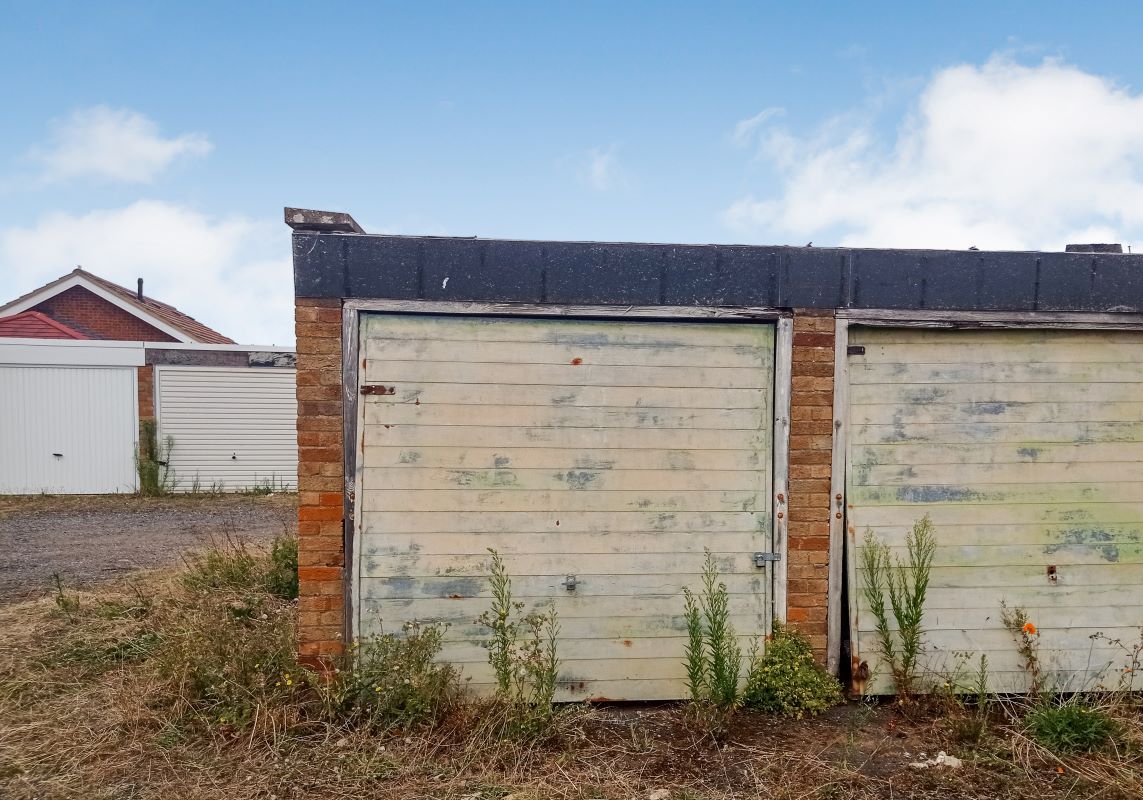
x=786, y=680
x=906, y=584
x=522, y=650
x=1071, y=727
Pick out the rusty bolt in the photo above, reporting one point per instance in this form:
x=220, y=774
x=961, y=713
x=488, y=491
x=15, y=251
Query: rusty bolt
x=780, y=515
x=838, y=515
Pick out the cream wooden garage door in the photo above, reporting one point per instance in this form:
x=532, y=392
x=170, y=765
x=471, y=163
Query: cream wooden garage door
x=1025, y=448
x=612, y=451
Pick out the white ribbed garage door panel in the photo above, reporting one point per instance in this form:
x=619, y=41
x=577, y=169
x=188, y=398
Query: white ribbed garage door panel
x=86, y=414
x=1025, y=448
x=612, y=451
x=231, y=426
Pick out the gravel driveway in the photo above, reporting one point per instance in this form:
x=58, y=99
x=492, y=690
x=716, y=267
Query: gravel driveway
x=92, y=538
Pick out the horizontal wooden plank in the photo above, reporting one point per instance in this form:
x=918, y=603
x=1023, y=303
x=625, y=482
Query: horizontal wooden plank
x=968, y=350
x=539, y=588
x=575, y=651
x=567, y=438
x=462, y=627
x=893, y=411
x=462, y=500
x=1081, y=577
x=988, y=372
x=1074, y=644
x=460, y=565
x=446, y=457
x=1037, y=472
x=576, y=333
x=1082, y=514
x=1009, y=337
x=994, y=392
x=988, y=452
x=577, y=605
x=952, y=555
x=380, y=412
x=469, y=351
x=509, y=479
x=1026, y=434
x=379, y=522
x=700, y=378
x=984, y=492
x=1045, y=535
x=1064, y=620
x=1065, y=671
x=560, y=541
x=573, y=394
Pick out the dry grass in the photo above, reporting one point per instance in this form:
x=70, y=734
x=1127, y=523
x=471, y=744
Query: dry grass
x=85, y=712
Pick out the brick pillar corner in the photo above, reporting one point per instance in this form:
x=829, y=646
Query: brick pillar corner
x=321, y=485
x=146, y=380
x=811, y=456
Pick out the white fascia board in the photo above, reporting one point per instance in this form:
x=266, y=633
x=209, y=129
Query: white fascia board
x=78, y=280
x=71, y=353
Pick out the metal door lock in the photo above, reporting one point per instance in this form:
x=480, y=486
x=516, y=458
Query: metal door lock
x=760, y=559
x=570, y=583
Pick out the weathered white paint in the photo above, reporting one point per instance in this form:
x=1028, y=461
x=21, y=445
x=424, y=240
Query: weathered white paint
x=232, y=427
x=612, y=451
x=67, y=430
x=1023, y=447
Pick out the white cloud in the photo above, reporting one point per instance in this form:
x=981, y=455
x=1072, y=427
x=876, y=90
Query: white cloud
x=601, y=169
x=118, y=144
x=745, y=130
x=999, y=155
x=232, y=274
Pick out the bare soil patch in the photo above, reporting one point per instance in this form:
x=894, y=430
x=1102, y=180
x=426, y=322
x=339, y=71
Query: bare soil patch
x=88, y=539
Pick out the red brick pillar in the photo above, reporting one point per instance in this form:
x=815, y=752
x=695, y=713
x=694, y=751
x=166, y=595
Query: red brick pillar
x=321, y=486
x=811, y=455
x=146, y=382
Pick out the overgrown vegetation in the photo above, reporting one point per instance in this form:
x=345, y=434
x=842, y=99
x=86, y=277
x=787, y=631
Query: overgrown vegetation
x=232, y=565
x=713, y=655
x=391, y=682
x=786, y=680
x=163, y=687
x=152, y=461
x=900, y=624
x=1071, y=726
x=522, y=651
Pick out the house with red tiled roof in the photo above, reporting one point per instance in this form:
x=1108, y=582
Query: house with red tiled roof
x=95, y=376
x=85, y=306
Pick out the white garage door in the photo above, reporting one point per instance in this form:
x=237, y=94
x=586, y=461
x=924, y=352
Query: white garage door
x=69, y=430
x=232, y=427
x=1025, y=448
x=606, y=455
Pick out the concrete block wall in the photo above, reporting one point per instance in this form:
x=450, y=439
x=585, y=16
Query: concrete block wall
x=811, y=456
x=321, y=482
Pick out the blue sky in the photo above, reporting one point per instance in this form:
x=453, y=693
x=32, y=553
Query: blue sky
x=161, y=140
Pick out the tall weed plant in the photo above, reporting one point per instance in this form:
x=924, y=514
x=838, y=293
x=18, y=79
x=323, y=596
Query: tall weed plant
x=153, y=461
x=523, y=653
x=713, y=656
x=906, y=585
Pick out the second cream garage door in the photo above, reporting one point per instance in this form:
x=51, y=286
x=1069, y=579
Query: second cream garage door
x=1024, y=448
x=614, y=452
